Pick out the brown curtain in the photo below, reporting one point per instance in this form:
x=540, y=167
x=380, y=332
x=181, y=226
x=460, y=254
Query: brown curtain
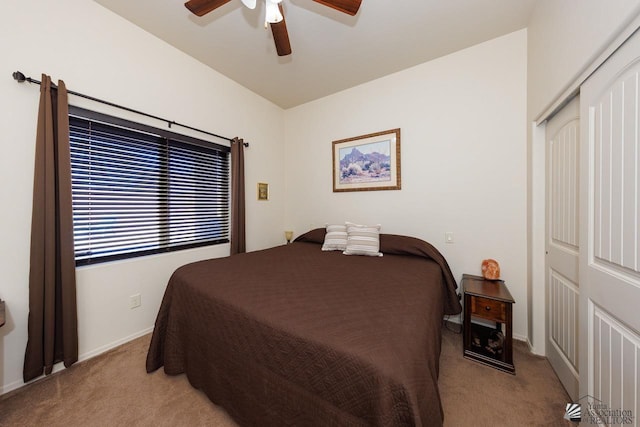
x=52, y=327
x=238, y=238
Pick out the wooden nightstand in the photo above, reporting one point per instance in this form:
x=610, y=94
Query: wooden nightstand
x=491, y=301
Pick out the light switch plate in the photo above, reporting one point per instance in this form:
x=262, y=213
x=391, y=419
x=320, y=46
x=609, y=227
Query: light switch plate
x=135, y=301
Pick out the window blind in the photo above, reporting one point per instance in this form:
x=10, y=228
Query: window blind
x=138, y=192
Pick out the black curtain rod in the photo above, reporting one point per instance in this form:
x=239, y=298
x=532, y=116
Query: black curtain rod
x=20, y=78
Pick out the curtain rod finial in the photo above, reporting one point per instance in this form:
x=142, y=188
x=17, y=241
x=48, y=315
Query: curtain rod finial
x=18, y=76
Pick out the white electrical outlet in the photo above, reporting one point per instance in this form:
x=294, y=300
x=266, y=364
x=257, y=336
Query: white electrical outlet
x=135, y=301
x=448, y=237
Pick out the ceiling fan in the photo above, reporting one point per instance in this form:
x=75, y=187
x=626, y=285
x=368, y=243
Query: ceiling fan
x=274, y=15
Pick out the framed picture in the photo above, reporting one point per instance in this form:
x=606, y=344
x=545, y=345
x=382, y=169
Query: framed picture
x=367, y=162
x=263, y=191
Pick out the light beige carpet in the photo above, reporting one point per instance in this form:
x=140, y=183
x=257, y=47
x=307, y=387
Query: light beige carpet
x=477, y=395
x=113, y=389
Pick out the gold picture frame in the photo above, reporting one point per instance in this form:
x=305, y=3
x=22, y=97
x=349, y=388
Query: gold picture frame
x=263, y=191
x=367, y=162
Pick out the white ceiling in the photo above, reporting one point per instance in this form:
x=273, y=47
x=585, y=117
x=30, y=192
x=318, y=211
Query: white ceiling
x=332, y=51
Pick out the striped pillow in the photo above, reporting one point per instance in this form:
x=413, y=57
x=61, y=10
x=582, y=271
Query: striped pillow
x=336, y=238
x=363, y=240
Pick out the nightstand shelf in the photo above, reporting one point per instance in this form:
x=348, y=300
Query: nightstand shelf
x=490, y=302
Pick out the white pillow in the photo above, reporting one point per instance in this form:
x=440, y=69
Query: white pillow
x=336, y=238
x=363, y=240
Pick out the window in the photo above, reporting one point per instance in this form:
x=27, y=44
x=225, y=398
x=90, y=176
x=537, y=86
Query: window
x=138, y=190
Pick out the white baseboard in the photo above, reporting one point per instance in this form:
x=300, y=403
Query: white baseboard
x=112, y=345
x=535, y=350
x=7, y=388
x=520, y=338
x=456, y=318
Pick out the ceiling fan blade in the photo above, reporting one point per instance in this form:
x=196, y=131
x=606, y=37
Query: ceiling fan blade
x=281, y=36
x=202, y=7
x=347, y=6
x=251, y=4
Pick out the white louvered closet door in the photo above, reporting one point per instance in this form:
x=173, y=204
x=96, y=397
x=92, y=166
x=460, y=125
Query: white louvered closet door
x=563, y=244
x=610, y=233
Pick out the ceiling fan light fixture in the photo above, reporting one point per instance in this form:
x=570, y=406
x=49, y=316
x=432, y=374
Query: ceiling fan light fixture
x=272, y=12
x=274, y=15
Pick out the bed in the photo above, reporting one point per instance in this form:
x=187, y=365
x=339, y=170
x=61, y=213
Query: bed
x=293, y=335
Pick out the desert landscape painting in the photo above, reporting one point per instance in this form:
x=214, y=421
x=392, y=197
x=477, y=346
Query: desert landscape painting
x=369, y=162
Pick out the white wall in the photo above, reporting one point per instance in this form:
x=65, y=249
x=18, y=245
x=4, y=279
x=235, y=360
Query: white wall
x=463, y=143
x=564, y=37
x=100, y=54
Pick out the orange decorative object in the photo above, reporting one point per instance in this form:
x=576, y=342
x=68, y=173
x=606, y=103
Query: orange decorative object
x=490, y=269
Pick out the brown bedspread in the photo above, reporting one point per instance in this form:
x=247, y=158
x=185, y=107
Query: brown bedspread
x=296, y=336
